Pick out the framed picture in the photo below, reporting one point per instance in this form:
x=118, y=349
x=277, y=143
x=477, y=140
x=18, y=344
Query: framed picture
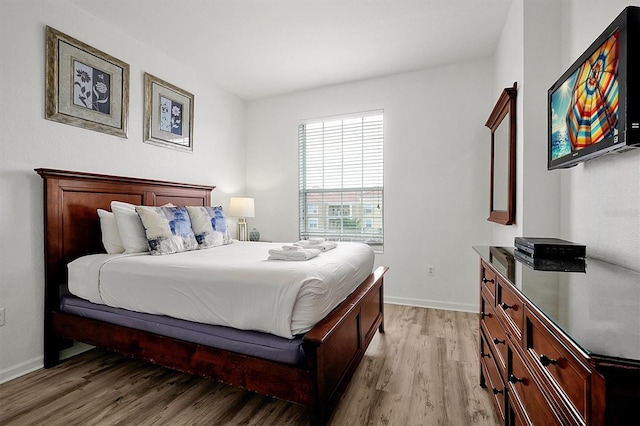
x=168, y=115
x=85, y=87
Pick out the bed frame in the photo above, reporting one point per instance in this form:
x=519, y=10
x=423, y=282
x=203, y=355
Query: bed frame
x=334, y=347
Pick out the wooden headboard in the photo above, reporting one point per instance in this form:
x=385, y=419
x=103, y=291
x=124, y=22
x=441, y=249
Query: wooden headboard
x=71, y=223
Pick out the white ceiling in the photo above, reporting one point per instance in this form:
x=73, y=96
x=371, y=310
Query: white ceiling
x=262, y=48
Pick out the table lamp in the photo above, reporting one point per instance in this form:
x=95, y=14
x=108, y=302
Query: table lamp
x=241, y=207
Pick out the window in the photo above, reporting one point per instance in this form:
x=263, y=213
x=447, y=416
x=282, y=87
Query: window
x=339, y=210
x=341, y=178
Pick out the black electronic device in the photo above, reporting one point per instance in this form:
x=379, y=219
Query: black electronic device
x=546, y=264
x=550, y=248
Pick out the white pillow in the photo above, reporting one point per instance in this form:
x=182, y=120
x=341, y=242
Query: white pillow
x=132, y=235
x=110, y=235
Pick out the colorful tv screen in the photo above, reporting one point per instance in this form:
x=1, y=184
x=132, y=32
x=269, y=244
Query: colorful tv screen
x=584, y=109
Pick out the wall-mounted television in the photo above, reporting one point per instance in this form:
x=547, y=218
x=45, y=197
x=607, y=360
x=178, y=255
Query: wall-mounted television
x=594, y=107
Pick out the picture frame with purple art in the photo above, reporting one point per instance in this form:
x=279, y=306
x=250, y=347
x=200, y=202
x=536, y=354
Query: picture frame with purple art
x=168, y=115
x=84, y=86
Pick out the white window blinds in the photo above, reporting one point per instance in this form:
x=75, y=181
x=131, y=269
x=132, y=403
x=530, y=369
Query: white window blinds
x=341, y=178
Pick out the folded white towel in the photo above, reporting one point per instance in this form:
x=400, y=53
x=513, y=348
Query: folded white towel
x=291, y=247
x=313, y=241
x=322, y=246
x=301, y=254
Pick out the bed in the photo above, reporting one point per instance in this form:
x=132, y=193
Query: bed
x=330, y=351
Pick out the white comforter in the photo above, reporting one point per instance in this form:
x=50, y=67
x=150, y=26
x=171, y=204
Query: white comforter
x=232, y=285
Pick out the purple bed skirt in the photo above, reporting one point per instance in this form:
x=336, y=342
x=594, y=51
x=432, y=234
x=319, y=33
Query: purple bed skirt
x=252, y=343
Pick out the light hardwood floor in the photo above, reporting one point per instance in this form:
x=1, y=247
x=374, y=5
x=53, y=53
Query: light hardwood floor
x=422, y=371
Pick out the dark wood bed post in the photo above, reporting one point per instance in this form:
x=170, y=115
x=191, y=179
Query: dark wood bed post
x=52, y=344
x=334, y=347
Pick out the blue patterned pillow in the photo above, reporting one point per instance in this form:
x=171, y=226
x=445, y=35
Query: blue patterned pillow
x=168, y=229
x=209, y=226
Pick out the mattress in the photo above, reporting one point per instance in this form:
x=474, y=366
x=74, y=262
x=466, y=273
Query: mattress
x=251, y=343
x=232, y=285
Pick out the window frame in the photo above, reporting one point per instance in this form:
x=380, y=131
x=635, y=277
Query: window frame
x=365, y=203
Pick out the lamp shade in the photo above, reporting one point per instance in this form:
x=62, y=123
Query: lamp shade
x=241, y=207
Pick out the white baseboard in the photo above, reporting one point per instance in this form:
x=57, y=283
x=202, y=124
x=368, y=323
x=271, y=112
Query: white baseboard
x=436, y=304
x=37, y=363
x=20, y=369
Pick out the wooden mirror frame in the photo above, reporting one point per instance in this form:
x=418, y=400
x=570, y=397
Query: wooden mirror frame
x=505, y=108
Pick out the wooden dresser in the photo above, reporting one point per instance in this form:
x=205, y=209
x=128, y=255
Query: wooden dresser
x=559, y=347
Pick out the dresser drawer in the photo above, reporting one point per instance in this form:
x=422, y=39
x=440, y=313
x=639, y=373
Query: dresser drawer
x=496, y=337
x=488, y=281
x=510, y=308
x=523, y=390
x=491, y=377
x=515, y=416
x=565, y=373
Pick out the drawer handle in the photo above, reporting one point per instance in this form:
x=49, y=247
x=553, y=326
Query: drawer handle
x=546, y=361
x=483, y=355
x=484, y=280
x=497, y=391
x=483, y=315
x=513, y=379
x=505, y=306
x=497, y=341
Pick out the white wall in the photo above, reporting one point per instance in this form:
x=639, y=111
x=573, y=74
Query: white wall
x=540, y=187
x=600, y=198
x=436, y=173
x=508, y=63
x=528, y=53
x=29, y=141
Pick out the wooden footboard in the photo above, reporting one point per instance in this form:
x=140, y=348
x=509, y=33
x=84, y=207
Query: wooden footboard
x=334, y=347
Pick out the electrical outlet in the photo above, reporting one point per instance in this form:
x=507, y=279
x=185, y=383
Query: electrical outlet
x=431, y=270
x=1, y=317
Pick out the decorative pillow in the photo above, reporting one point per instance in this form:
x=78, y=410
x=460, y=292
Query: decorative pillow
x=202, y=228
x=219, y=223
x=110, y=235
x=168, y=229
x=209, y=226
x=132, y=235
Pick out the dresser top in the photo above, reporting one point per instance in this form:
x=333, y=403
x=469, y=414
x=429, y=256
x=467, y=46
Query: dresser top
x=598, y=309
